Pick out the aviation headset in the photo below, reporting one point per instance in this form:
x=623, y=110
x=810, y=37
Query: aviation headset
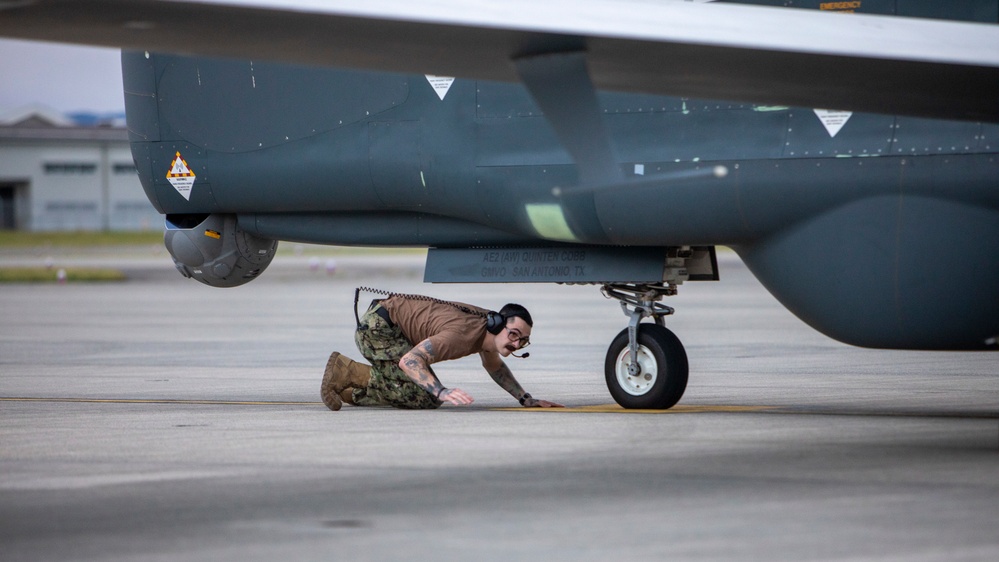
x=495, y=322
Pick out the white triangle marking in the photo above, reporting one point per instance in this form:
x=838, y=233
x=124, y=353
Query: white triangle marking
x=833, y=119
x=440, y=84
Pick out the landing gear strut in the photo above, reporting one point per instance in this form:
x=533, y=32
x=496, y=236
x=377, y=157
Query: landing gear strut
x=646, y=365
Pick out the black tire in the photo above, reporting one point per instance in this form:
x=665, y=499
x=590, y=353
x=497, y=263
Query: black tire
x=661, y=355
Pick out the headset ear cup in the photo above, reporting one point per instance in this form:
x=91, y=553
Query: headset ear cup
x=495, y=322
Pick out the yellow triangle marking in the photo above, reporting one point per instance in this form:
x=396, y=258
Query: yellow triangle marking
x=179, y=170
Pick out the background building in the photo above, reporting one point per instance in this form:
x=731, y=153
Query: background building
x=58, y=175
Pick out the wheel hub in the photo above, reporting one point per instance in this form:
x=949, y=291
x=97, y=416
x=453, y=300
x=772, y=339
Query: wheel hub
x=636, y=377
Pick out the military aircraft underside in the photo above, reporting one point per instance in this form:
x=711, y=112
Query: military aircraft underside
x=585, y=148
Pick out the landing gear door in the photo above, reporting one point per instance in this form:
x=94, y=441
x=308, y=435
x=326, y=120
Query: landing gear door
x=701, y=262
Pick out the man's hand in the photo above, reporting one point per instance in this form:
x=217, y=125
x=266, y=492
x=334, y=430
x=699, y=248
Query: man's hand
x=535, y=403
x=455, y=396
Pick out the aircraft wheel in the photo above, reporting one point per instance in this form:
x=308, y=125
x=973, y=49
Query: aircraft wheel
x=662, y=375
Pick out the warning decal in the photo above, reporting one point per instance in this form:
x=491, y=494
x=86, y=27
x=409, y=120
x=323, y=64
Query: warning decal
x=840, y=6
x=440, y=84
x=181, y=177
x=832, y=119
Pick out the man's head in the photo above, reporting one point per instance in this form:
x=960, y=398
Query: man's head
x=516, y=333
x=511, y=310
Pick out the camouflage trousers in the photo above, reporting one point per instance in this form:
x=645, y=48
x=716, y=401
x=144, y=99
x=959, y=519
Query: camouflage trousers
x=384, y=345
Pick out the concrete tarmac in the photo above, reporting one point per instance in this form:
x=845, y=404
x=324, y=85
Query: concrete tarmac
x=159, y=419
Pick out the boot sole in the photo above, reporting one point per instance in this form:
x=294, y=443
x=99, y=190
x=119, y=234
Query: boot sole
x=330, y=396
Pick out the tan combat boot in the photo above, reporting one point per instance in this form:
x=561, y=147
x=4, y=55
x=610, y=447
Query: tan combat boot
x=342, y=375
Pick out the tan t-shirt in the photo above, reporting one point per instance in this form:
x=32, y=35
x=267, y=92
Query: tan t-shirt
x=452, y=333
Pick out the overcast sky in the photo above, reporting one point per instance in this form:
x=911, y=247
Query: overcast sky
x=66, y=78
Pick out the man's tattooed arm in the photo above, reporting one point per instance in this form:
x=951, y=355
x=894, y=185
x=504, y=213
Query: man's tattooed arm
x=504, y=377
x=500, y=373
x=416, y=365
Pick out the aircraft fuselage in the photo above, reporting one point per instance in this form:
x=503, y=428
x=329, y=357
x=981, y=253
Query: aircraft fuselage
x=890, y=220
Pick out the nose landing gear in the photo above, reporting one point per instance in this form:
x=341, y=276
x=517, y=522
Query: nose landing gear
x=646, y=365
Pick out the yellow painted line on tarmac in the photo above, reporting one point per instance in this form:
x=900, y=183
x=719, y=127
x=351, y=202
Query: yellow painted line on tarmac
x=157, y=401
x=799, y=410
x=617, y=409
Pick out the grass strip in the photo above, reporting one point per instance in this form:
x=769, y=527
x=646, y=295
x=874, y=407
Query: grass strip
x=51, y=275
x=20, y=239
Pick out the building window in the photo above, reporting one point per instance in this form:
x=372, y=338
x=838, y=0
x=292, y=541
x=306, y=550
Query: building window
x=70, y=206
x=123, y=169
x=70, y=168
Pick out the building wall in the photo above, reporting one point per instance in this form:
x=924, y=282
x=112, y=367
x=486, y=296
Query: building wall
x=65, y=184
